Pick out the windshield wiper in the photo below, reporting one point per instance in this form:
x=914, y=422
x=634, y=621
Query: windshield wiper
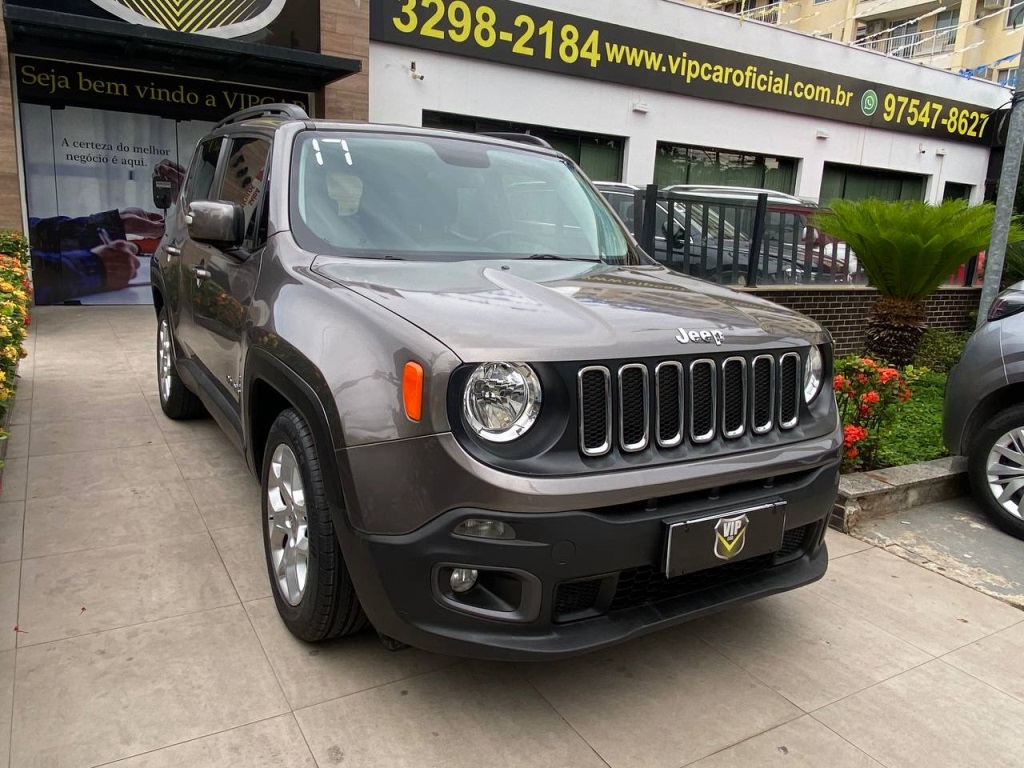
x=556, y=257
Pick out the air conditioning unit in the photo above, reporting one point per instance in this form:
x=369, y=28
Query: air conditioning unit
x=994, y=5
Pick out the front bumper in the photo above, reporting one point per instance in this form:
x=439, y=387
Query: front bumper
x=402, y=579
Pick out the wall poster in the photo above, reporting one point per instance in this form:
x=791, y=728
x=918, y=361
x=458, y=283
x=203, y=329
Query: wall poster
x=99, y=145
x=93, y=219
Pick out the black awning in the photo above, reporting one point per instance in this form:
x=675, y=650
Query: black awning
x=49, y=34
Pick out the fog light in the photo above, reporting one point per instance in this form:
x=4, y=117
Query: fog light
x=484, y=529
x=463, y=579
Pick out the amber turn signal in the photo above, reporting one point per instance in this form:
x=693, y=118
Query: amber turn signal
x=412, y=390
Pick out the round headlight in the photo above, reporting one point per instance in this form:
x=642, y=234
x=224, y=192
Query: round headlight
x=502, y=401
x=813, y=374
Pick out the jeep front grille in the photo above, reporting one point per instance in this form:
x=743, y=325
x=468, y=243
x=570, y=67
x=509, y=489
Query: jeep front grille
x=665, y=405
x=634, y=410
x=595, y=396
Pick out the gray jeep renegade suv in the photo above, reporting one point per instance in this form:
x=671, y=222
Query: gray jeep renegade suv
x=483, y=420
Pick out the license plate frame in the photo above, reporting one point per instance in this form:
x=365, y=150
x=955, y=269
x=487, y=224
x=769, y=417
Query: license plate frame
x=697, y=544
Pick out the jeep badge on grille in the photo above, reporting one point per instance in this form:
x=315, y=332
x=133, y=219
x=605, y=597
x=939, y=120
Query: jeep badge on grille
x=699, y=337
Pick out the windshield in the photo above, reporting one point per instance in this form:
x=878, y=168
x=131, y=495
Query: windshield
x=428, y=198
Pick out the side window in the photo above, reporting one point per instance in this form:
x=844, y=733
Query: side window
x=623, y=205
x=202, y=171
x=243, y=182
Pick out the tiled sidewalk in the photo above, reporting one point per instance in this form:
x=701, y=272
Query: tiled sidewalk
x=131, y=563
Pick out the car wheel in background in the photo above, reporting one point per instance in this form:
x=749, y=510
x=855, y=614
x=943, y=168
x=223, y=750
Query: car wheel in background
x=176, y=401
x=996, y=469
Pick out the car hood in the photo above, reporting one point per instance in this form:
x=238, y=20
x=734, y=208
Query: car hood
x=567, y=310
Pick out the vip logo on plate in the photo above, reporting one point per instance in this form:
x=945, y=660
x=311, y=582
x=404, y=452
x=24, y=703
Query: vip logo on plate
x=730, y=536
x=219, y=18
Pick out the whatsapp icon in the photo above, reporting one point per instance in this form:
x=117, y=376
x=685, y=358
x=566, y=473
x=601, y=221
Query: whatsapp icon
x=869, y=102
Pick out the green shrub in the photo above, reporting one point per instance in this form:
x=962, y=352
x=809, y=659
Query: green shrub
x=1013, y=265
x=916, y=433
x=908, y=249
x=939, y=349
x=15, y=291
x=868, y=395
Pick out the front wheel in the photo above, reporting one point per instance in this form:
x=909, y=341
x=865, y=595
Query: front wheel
x=311, y=585
x=996, y=469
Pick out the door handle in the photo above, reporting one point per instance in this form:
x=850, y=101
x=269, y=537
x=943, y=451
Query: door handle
x=201, y=273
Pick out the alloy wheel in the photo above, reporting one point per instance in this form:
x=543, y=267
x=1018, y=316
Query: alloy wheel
x=164, y=362
x=1006, y=472
x=287, y=529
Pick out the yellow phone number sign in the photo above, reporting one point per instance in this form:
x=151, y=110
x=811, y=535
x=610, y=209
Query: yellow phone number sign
x=904, y=110
x=517, y=34
x=436, y=19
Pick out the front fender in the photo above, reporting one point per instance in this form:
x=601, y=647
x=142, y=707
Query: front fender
x=353, y=352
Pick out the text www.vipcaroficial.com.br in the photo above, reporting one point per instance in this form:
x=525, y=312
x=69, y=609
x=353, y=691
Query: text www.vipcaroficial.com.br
x=748, y=78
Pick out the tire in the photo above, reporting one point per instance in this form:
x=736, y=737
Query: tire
x=176, y=401
x=997, y=443
x=321, y=602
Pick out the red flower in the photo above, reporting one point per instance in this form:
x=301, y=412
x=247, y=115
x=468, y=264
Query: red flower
x=864, y=410
x=888, y=374
x=869, y=362
x=861, y=378
x=838, y=381
x=869, y=397
x=853, y=434
x=905, y=395
x=852, y=453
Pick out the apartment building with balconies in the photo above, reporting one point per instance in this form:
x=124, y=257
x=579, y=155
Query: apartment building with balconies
x=977, y=38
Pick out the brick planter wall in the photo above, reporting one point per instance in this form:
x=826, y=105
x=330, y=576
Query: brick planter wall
x=844, y=311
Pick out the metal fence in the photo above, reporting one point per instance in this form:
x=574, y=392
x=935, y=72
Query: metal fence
x=746, y=240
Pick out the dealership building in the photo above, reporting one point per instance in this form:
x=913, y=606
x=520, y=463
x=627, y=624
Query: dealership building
x=101, y=92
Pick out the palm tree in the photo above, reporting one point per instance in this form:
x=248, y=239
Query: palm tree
x=908, y=248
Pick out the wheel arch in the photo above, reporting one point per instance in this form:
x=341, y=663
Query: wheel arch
x=270, y=387
x=988, y=407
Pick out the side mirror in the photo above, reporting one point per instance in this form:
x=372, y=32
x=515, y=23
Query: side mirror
x=218, y=223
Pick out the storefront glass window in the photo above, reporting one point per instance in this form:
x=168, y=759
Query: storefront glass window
x=676, y=164
x=599, y=156
x=856, y=183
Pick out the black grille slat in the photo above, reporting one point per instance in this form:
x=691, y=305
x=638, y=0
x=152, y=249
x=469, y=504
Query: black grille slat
x=670, y=414
x=646, y=585
x=702, y=401
x=794, y=540
x=763, y=375
x=630, y=406
x=634, y=411
x=734, y=397
x=595, y=418
x=576, y=596
x=789, y=390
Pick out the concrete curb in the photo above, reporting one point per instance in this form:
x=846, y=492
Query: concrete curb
x=867, y=495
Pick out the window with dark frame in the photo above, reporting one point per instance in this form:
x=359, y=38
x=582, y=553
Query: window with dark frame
x=244, y=181
x=682, y=164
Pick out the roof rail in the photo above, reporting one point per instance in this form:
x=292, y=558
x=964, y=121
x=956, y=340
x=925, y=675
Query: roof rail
x=293, y=111
x=522, y=138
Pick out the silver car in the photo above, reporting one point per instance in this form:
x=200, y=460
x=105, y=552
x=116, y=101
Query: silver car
x=984, y=411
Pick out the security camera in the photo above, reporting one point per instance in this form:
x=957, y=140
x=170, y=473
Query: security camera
x=415, y=75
